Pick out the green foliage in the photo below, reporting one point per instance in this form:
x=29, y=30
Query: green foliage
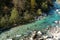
x=39, y=12
x=3, y=22
x=27, y=16
x=33, y=3
x=14, y=18
x=44, y=5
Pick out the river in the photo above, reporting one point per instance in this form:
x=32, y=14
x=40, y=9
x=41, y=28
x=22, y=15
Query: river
x=37, y=25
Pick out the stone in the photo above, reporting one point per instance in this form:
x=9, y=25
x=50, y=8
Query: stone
x=31, y=38
x=57, y=10
x=49, y=39
x=18, y=35
x=33, y=34
x=56, y=21
x=45, y=37
x=9, y=39
x=39, y=33
x=59, y=22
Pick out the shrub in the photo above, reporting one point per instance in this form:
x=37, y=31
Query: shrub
x=27, y=16
x=3, y=22
x=44, y=6
x=14, y=18
x=39, y=12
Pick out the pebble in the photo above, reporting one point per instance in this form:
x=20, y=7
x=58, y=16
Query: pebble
x=49, y=39
x=21, y=39
x=18, y=35
x=57, y=10
x=57, y=26
x=45, y=37
x=31, y=38
x=39, y=32
x=33, y=34
x=9, y=39
x=56, y=21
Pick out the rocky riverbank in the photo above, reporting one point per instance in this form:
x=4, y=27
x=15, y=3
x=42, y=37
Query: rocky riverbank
x=51, y=34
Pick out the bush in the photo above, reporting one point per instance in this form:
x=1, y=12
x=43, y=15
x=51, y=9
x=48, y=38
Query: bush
x=3, y=22
x=14, y=18
x=44, y=6
x=27, y=16
x=39, y=12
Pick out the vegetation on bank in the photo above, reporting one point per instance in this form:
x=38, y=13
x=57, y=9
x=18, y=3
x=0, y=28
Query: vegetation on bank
x=13, y=12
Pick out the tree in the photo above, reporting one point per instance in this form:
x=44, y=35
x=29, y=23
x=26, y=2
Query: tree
x=33, y=3
x=14, y=18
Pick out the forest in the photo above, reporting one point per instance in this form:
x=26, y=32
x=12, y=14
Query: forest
x=16, y=12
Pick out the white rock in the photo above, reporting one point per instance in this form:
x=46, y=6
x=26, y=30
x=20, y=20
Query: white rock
x=56, y=21
x=31, y=38
x=9, y=39
x=18, y=35
x=57, y=26
x=21, y=39
x=49, y=39
x=45, y=37
x=55, y=32
x=57, y=10
x=33, y=34
x=59, y=22
x=39, y=32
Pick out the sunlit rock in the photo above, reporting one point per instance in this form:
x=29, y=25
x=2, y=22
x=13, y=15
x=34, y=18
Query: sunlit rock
x=31, y=38
x=45, y=37
x=55, y=32
x=57, y=10
x=21, y=39
x=39, y=33
x=56, y=21
x=18, y=35
x=33, y=34
x=49, y=39
x=9, y=39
